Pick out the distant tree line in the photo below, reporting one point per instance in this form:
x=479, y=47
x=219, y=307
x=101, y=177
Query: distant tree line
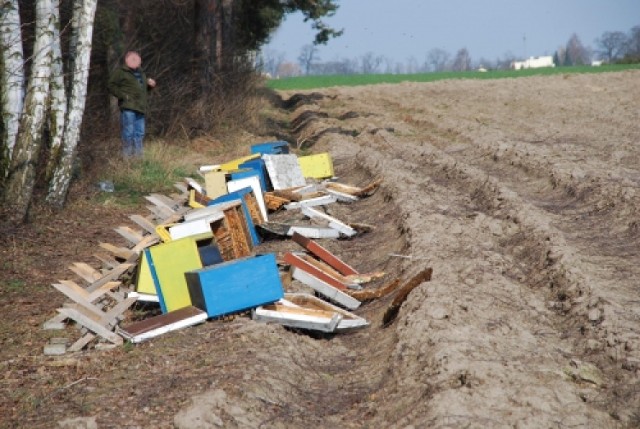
x=612, y=47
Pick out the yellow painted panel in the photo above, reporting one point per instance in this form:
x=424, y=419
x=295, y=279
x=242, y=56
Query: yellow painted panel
x=215, y=184
x=317, y=166
x=144, y=283
x=171, y=260
x=235, y=164
x=163, y=231
x=192, y=200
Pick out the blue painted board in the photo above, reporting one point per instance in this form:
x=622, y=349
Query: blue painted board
x=271, y=148
x=239, y=196
x=235, y=285
x=258, y=166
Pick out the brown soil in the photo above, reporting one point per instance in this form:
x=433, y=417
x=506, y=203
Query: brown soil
x=521, y=194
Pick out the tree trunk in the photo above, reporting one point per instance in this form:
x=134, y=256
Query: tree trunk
x=58, y=100
x=22, y=174
x=59, y=184
x=11, y=80
x=204, y=56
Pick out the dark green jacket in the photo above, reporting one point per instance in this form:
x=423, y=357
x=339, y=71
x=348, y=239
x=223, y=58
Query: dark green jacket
x=131, y=94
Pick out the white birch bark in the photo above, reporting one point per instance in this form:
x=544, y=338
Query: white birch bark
x=58, y=100
x=11, y=79
x=21, y=178
x=83, y=27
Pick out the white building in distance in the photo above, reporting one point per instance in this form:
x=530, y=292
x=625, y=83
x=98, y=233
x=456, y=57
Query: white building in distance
x=533, y=63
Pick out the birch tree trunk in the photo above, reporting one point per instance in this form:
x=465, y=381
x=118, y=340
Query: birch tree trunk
x=58, y=100
x=11, y=80
x=21, y=178
x=83, y=28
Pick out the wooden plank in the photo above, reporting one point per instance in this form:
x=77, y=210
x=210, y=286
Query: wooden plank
x=403, y=293
x=342, y=197
x=112, y=316
x=333, y=222
x=81, y=342
x=181, y=187
x=163, y=202
x=90, y=323
x=159, y=213
x=312, y=202
x=297, y=320
x=300, y=263
x=325, y=289
x=119, y=252
x=77, y=295
x=147, y=241
x=129, y=234
x=107, y=261
x=111, y=275
x=349, y=320
x=55, y=323
x=144, y=223
x=324, y=255
x=313, y=232
x=158, y=325
x=328, y=269
x=85, y=271
x=369, y=294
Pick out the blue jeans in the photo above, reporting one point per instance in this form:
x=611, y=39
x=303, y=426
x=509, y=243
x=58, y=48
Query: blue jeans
x=132, y=128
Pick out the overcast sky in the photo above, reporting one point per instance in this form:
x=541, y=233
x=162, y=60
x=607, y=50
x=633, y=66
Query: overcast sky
x=400, y=29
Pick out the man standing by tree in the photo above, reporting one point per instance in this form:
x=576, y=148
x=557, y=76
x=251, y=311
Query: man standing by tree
x=130, y=85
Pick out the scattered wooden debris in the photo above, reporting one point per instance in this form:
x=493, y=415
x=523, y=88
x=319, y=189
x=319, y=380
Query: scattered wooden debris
x=158, y=325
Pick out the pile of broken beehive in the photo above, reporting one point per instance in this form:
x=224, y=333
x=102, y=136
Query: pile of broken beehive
x=196, y=256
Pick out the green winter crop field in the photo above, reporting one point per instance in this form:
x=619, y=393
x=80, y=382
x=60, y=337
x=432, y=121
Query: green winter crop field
x=313, y=82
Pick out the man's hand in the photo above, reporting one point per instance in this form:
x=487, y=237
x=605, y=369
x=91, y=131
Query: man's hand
x=151, y=83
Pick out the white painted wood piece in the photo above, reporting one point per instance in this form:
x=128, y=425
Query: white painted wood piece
x=163, y=327
x=194, y=227
x=342, y=197
x=143, y=297
x=313, y=232
x=342, y=227
x=325, y=289
x=312, y=202
x=349, y=320
x=284, y=171
x=254, y=183
x=209, y=210
x=297, y=320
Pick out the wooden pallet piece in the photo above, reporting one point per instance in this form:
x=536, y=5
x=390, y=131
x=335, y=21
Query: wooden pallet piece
x=324, y=255
x=144, y=223
x=91, y=322
x=342, y=227
x=85, y=271
x=299, y=262
x=130, y=234
x=325, y=289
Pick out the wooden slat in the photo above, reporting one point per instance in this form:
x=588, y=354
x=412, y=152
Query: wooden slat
x=144, y=223
x=324, y=254
x=85, y=271
x=81, y=342
x=111, y=275
x=92, y=323
x=129, y=234
x=119, y=252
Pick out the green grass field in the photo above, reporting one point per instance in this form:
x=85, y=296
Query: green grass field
x=313, y=82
